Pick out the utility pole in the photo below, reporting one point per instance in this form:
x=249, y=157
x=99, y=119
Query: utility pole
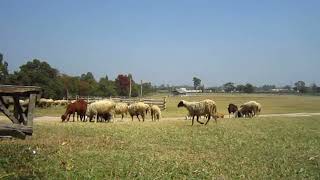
x=141, y=89
x=130, y=84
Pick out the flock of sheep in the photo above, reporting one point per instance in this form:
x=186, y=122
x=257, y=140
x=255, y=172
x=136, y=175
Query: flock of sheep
x=208, y=109
x=105, y=110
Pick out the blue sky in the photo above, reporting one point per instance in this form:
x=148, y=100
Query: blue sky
x=168, y=41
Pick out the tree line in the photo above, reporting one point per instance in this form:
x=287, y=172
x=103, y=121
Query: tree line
x=57, y=85
x=299, y=87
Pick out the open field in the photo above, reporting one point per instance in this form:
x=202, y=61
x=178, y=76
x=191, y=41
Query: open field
x=258, y=148
x=271, y=104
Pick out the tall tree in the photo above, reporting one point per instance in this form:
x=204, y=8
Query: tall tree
x=314, y=88
x=300, y=86
x=240, y=88
x=3, y=70
x=40, y=73
x=248, y=88
x=93, y=85
x=228, y=87
x=196, y=82
x=106, y=88
x=122, y=83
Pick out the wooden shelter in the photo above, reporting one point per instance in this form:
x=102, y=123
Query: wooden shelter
x=21, y=117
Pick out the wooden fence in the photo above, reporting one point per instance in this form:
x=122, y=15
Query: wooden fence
x=159, y=102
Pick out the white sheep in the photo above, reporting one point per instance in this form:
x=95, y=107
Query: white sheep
x=249, y=109
x=60, y=102
x=100, y=108
x=155, y=112
x=45, y=103
x=121, y=108
x=203, y=108
x=255, y=106
x=137, y=109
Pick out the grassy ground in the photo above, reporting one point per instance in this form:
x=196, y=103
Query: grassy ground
x=259, y=148
x=271, y=104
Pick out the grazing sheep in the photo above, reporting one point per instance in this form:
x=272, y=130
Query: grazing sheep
x=121, y=108
x=155, y=112
x=256, y=107
x=105, y=117
x=100, y=108
x=203, y=108
x=45, y=103
x=244, y=111
x=249, y=109
x=60, y=103
x=137, y=109
x=24, y=103
x=232, y=108
x=79, y=107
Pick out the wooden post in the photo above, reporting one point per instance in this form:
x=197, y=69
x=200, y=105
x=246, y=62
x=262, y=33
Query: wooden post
x=164, y=102
x=32, y=103
x=141, y=89
x=19, y=114
x=130, y=88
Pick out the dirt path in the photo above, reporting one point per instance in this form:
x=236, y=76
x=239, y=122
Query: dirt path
x=56, y=118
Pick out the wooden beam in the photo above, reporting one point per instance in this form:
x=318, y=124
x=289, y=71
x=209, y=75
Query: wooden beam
x=18, y=110
x=6, y=111
x=19, y=89
x=6, y=131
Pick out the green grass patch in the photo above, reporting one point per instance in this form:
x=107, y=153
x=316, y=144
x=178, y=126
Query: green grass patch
x=258, y=148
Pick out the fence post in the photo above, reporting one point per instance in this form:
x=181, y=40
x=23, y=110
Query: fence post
x=141, y=89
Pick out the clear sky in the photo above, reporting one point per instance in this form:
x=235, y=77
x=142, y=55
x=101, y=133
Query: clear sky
x=168, y=41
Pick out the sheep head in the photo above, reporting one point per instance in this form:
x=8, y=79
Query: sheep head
x=181, y=104
x=63, y=117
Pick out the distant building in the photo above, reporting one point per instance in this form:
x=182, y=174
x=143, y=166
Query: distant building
x=278, y=90
x=185, y=92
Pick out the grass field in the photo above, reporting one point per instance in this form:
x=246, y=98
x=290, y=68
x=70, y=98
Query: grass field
x=258, y=148
x=271, y=104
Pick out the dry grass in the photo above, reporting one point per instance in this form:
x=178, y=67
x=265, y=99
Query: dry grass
x=258, y=148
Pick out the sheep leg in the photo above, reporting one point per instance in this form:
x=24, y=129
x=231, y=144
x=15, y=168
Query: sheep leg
x=138, y=118
x=73, y=116
x=192, y=120
x=198, y=120
x=131, y=117
x=209, y=117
